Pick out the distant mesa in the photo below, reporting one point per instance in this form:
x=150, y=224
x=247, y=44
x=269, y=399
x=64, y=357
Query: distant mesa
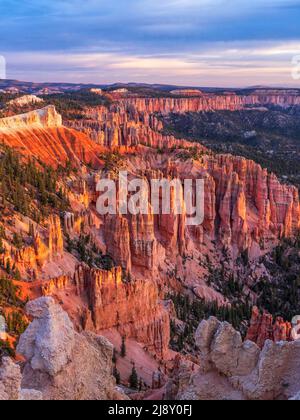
x=122, y=90
x=25, y=100
x=275, y=92
x=12, y=90
x=96, y=91
x=118, y=93
x=186, y=92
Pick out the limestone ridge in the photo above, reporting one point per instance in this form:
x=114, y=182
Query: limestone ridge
x=42, y=118
x=26, y=100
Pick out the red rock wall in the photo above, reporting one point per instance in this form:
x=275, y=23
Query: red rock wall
x=132, y=307
x=208, y=102
x=54, y=146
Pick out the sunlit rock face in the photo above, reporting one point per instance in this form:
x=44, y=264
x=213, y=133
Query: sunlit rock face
x=42, y=118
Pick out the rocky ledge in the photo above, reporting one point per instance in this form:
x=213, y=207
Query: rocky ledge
x=54, y=358
x=230, y=369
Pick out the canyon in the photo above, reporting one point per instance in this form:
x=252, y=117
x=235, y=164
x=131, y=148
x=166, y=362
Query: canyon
x=113, y=274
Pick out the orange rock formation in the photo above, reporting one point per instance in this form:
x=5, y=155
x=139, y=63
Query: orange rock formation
x=263, y=327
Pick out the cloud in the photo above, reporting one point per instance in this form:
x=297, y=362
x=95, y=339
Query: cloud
x=227, y=64
x=138, y=38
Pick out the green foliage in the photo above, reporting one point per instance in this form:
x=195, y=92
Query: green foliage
x=281, y=295
x=6, y=349
x=193, y=311
x=134, y=380
x=192, y=153
x=226, y=283
x=87, y=252
x=23, y=183
x=71, y=104
x=113, y=161
x=274, y=143
x=117, y=375
x=123, y=347
x=9, y=293
x=16, y=323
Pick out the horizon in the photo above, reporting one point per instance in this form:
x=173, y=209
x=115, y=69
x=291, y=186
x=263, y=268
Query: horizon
x=211, y=43
x=131, y=84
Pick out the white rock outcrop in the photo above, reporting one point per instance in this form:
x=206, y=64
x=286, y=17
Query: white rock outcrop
x=41, y=118
x=26, y=100
x=49, y=340
x=230, y=369
x=61, y=363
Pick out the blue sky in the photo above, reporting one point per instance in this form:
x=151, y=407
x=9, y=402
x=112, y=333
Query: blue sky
x=186, y=42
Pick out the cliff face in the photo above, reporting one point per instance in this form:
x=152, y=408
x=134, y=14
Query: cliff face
x=243, y=205
x=25, y=100
x=210, y=102
x=108, y=301
x=56, y=241
x=132, y=307
x=122, y=126
x=47, y=245
x=252, y=203
x=243, y=202
x=54, y=146
x=40, y=134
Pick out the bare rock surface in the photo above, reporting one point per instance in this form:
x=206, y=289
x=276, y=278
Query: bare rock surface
x=10, y=379
x=61, y=363
x=49, y=340
x=231, y=369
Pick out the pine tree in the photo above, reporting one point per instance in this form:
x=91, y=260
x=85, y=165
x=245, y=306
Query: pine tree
x=31, y=230
x=2, y=250
x=114, y=358
x=8, y=267
x=117, y=375
x=141, y=385
x=134, y=380
x=123, y=348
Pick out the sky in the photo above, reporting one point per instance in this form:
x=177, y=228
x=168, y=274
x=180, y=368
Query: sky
x=225, y=43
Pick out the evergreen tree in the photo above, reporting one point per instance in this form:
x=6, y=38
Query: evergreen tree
x=114, y=358
x=134, y=380
x=123, y=347
x=117, y=375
